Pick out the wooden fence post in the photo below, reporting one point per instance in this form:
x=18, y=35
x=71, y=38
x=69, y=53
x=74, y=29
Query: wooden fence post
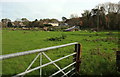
x=118, y=60
x=78, y=51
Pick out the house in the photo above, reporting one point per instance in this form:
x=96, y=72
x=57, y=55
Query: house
x=18, y=24
x=54, y=24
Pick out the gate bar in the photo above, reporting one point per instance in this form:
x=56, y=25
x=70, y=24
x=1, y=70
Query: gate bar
x=53, y=63
x=43, y=65
x=32, y=62
x=68, y=72
x=33, y=51
x=63, y=69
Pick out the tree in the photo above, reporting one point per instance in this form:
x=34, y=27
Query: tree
x=9, y=24
x=5, y=22
x=95, y=17
x=86, y=13
x=64, y=19
x=36, y=20
x=112, y=12
x=86, y=17
x=102, y=21
x=25, y=21
x=35, y=23
x=53, y=21
x=73, y=21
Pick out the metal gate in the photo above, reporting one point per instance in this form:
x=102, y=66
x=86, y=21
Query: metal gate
x=76, y=60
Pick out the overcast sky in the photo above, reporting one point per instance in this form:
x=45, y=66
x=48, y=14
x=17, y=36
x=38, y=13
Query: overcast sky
x=40, y=9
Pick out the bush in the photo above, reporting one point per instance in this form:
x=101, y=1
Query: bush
x=57, y=38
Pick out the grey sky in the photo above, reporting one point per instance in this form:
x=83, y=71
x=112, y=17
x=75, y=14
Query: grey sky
x=32, y=9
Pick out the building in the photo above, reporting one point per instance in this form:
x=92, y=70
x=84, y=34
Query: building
x=54, y=24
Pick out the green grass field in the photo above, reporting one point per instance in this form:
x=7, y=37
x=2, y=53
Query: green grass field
x=98, y=50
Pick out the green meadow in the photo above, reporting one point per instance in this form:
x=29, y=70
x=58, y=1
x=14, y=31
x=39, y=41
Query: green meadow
x=98, y=51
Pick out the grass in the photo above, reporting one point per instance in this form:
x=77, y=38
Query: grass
x=98, y=50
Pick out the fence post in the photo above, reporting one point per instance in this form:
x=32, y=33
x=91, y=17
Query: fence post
x=118, y=60
x=78, y=51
